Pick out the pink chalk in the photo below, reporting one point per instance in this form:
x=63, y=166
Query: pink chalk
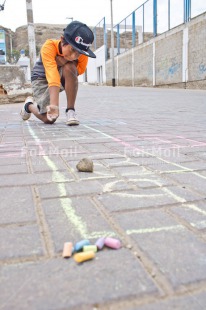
x=100, y=243
x=112, y=243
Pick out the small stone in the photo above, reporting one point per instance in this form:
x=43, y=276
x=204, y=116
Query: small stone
x=153, y=273
x=85, y=165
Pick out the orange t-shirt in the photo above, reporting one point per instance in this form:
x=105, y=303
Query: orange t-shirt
x=49, y=51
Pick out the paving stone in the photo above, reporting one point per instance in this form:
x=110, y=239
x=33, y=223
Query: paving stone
x=201, y=174
x=126, y=137
x=14, y=169
x=71, y=220
x=97, y=148
x=10, y=154
x=200, y=155
x=97, y=281
x=145, y=205
x=71, y=146
x=35, y=179
x=131, y=170
x=150, y=180
x=10, y=148
x=194, y=301
x=8, y=139
x=141, y=160
x=156, y=161
x=97, y=140
x=174, y=156
x=194, y=214
x=119, y=162
x=167, y=168
x=66, y=152
x=114, y=184
x=145, y=197
x=181, y=193
x=35, y=147
x=40, y=164
x=195, y=165
x=27, y=241
x=87, y=187
x=118, y=147
x=190, y=180
x=179, y=254
x=192, y=150
x=112, y=154
x=16, y=205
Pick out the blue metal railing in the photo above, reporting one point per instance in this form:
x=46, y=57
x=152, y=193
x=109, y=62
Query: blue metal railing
x=150, y=19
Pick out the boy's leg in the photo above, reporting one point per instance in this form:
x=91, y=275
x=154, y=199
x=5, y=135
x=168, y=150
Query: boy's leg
x=41, y=96
x=70, y=82
x=42, y=117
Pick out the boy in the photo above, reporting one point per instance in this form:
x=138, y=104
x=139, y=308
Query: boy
x=60, y=63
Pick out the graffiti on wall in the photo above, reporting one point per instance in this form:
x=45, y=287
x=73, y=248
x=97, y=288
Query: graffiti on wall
x=174, y=68
x=202, y=68
x=168, y=68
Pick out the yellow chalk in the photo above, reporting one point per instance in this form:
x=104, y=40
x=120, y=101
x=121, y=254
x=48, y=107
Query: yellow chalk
x=83, y=256
x=87, y=248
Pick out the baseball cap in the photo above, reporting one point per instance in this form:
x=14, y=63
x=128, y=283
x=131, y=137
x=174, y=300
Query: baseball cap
x=80, y=37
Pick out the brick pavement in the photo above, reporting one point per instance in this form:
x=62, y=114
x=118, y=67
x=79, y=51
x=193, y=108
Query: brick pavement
x=148, y=189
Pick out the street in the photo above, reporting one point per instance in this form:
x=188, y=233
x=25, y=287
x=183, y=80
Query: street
x=148, y=190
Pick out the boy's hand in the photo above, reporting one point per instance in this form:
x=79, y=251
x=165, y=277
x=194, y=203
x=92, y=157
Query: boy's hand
x=60, y=60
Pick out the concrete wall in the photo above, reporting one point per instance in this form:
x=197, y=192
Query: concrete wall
x=124, y=69
x=168, y=59
x=14, y=84
x=12, y=77
x=96, y=71
x=197, y=51
x=176, y=58
x=143, y=66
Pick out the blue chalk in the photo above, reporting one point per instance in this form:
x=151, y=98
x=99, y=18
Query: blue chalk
x=79, y=245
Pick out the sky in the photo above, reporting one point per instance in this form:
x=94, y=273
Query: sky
x=90, y=12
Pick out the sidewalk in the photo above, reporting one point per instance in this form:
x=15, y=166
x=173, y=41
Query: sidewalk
x=148, y=189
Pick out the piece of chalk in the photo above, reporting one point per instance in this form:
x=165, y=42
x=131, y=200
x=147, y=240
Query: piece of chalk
x=83, y=256
x=79, y=245
x=112, y=243
x=87, y=248
x=100, y=243
x=67, y=251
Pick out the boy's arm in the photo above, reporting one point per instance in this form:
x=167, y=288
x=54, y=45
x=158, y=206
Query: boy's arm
x=82, y=64
x=48, y=54
x=61, y=61
x=52, y=74
x=54, y=95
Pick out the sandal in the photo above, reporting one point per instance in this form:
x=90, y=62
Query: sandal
x=52, y=112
